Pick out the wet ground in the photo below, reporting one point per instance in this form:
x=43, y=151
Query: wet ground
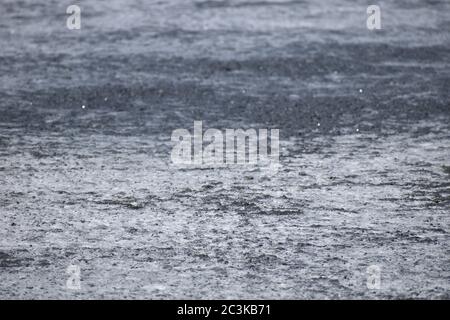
x=364, y=173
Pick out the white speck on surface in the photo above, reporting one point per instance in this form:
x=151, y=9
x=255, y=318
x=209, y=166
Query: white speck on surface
x=360, y=90
x=318, y=124
x=83, y=106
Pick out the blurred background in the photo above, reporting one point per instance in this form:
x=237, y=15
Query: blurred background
x=85, y=173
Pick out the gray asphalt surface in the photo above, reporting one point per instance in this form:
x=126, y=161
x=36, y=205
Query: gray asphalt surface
x=365, y=143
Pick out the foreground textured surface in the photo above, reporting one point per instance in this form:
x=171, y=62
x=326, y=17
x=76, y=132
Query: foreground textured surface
x=364, y=172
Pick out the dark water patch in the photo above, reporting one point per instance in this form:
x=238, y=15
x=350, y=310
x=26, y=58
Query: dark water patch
x=446, y=169
x=12, y=260
x=128, y=201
